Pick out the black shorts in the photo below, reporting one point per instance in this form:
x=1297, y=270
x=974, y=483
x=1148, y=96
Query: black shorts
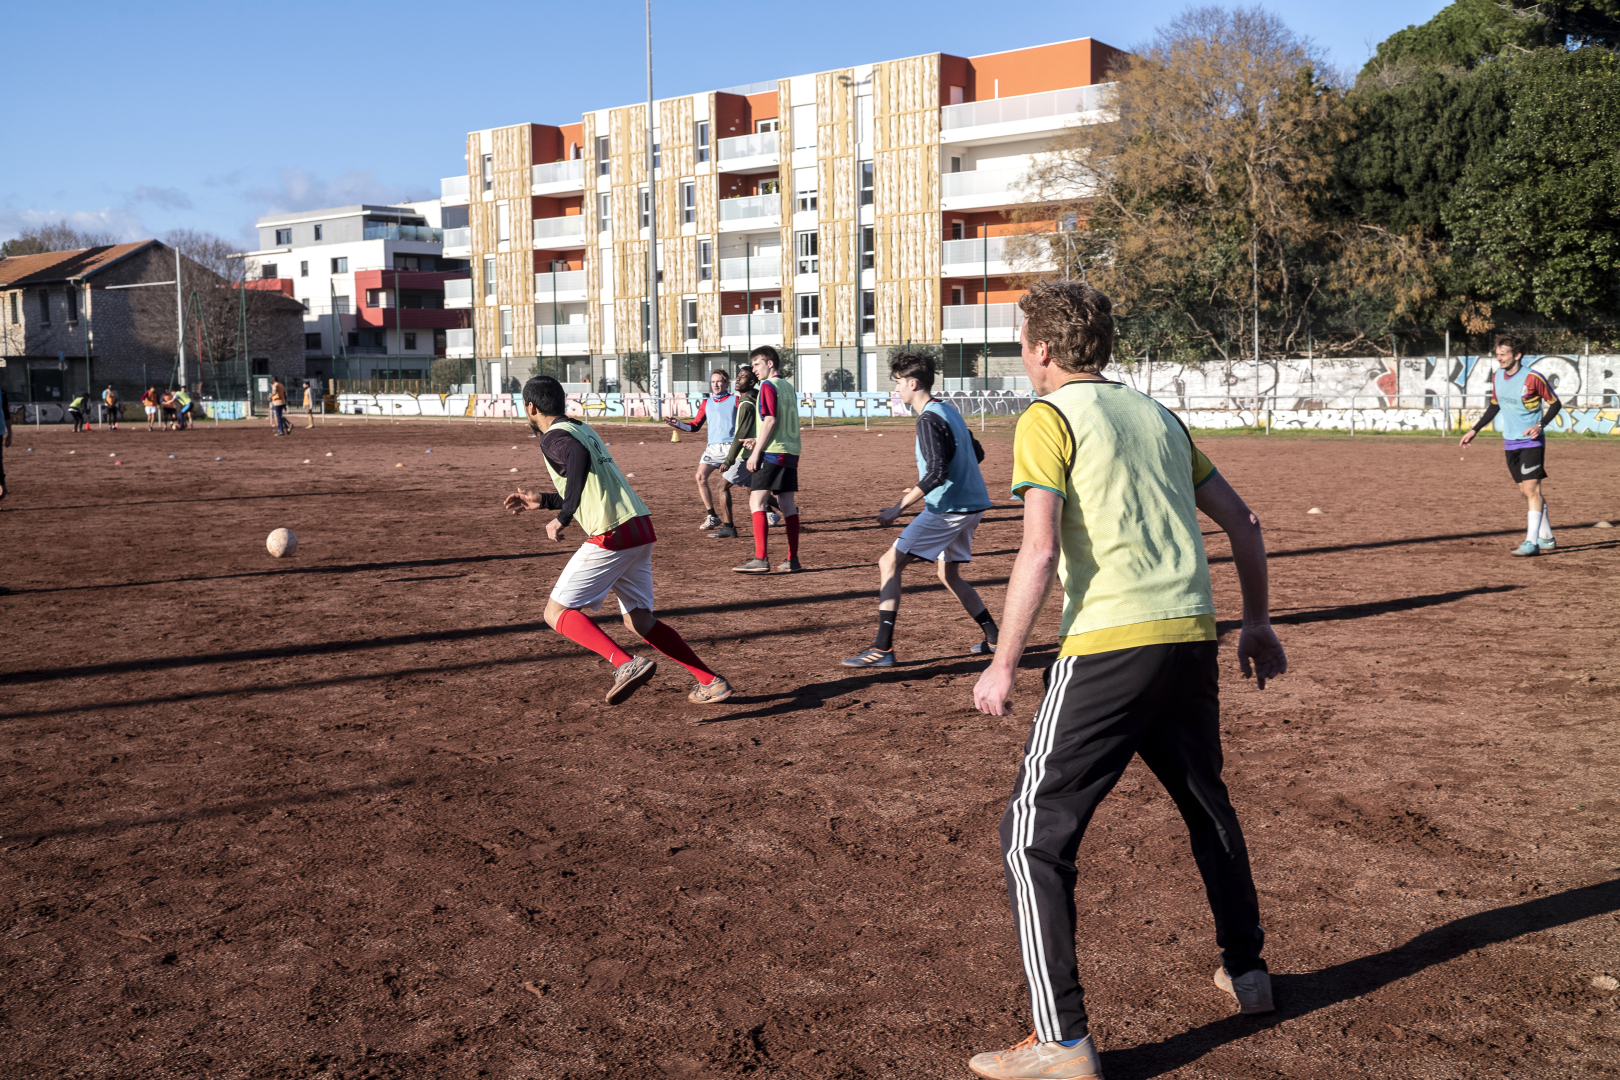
x=1528, y=464
x=773, y=477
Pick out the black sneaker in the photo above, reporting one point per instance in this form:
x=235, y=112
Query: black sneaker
x=754, y=566
x=724, y=532
x=791, y=566
x=983, y=648
x=629, y=677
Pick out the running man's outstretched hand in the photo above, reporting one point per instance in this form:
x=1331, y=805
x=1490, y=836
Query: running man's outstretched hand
x=1468, y=437
x=522, y=499
x=1260, y=654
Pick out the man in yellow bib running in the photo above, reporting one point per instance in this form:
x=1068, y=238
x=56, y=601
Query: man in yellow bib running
x=1112, y=485
x=616, y=555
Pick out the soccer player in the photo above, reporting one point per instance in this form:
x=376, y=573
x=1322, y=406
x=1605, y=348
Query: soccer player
x=616, y=555
x=110, y=408
x=773, y=463
x=278, y=406
x=182, y=409
x=736, y=472
x=954, y=499
x=718, y=412
x=149, y=402
x=309, y=405
x=1112, y=485
x=1518, y=394
x=169, y=407
x=76, y=409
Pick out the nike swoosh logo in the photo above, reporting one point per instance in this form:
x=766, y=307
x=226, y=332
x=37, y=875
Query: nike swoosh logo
x=1527, y=470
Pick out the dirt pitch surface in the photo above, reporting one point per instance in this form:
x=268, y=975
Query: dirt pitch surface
x=358, y=813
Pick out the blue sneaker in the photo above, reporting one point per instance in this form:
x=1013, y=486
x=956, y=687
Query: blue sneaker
x=1529, y=547
x=872, y=657
x=1547, y=544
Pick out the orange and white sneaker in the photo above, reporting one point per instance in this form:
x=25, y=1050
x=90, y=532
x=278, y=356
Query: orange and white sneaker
x=1252, y=990
x=1034, y=1060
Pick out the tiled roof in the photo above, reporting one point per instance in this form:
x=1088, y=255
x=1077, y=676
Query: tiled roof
x=23, y=270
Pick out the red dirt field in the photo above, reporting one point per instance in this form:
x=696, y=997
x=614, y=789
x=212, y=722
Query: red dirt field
x=360, y=814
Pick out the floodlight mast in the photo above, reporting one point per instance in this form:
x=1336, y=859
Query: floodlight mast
x=655, y=374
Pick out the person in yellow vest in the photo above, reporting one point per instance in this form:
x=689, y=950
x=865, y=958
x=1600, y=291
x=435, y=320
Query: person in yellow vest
x=111, y=410
x=616, y=555
x=309, y=405
x=773, y=462
x=1112, y=486
x=278, y=406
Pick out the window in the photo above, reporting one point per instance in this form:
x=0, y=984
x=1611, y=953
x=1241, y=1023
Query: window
x=305, y=302
x=503, y=222
x=14, y=309
x=688, y=204
x=807, y=245
x=773, y=186
x=705, y=260
x=488, y=168
x=804, y=126
x=866, y=183
x=340, y=266
x=44, y=308
x=506, y=328
x=958, y=296
x=956, y=95
x=956, y=164
x=658, y=155
x=958, y=229
x=603, y=162
x=374, y=298
x=410, y=340
x=867, y=253
x=773, y=124
x=809, y=314
x=283, y=236
x=303, y=268
x=317, y=233
x=804, y=189
x=868, y=318
x=312, y=342
x=863, y=119
x=73, y=304
x=411, y=262
x=604, y=212
x=646, y=208
x=340, y=305
x=701, y=139
x=559, y=266
x=689, y=313
x=268, y=270
x=489, y=277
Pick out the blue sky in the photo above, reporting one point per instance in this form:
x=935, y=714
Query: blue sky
x=173, y=113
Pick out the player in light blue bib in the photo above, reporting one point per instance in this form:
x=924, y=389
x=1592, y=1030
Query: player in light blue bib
x=717, y=412
x=1526, y=404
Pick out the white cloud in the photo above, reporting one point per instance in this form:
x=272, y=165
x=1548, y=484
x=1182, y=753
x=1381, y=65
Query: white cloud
x=300, y=190
x=118, y=220
x=168, y=198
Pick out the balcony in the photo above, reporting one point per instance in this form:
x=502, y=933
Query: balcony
x=458, y=344
x=750, y=212
x=458, y=293
x=559, y=232
x=425, y=234
x=457, y=243
x=453, y=190
x=973, y=258
x=760, y=328
x=967, y=322
x=749, y=153
x=753, y=272
x=563, y=335
x=558, y=177
x=1009, y=118
x=980, y=188
x=560, y=287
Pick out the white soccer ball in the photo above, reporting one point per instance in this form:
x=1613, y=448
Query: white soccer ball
x=282, y=542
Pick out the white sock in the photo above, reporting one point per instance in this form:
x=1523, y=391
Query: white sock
x=1533, y=529
x=1546, y=522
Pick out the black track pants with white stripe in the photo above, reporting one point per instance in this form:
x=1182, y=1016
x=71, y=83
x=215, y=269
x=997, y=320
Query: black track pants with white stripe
x=1160, y=701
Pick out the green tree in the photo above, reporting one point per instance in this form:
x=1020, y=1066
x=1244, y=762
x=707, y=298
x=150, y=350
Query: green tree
x=1460, y=35
x=1537, y=222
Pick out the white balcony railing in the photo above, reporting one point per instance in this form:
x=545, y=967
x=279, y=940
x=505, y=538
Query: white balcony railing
x=548, y=284
x=458, y=240
x=426, y=234
x=755, y=270
x=562, y=334
x=974, y=254
x=759, y=324
x=571, y=227
x=760, y=144
x=453, y=188
x=975, y=317
x=558, y=172
x=980, y=182
x=458, y=342
x=458, y=293
x=751, y=206
x=1054, y=103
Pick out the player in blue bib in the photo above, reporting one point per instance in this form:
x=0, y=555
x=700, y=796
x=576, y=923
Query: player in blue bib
x=1526, y=403
x=717, y=412
x=954, y=499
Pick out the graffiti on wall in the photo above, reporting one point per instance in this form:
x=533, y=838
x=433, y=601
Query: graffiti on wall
x=841, y=405
x=46, y=412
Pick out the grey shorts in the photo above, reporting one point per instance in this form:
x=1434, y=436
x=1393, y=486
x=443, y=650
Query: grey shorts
x=738, y=474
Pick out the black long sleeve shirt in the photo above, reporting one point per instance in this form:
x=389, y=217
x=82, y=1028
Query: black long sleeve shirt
x=938, y=447
x=572, y=461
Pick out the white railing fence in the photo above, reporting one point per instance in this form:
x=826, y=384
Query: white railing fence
x=760, y=144
x=1070, y=101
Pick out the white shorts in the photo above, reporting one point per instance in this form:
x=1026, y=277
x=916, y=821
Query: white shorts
x=151, y=410
x=594, y=571
x=715, y=454
x=931, y=535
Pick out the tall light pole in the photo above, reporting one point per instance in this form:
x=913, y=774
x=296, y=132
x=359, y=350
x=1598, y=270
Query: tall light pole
x=654, y=368
x=179, y=320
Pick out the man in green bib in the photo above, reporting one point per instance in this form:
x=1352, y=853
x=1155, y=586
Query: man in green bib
x=1112, y=485
x=773, y=463
x=616, y=555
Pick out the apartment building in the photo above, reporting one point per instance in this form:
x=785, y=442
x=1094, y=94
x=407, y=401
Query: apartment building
x=834, y=214
x=379, y=293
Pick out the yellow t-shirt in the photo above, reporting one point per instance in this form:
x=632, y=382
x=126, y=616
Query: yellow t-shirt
x=1132, y=561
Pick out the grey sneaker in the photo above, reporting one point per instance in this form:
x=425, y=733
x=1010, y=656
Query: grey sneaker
x=774, y=517
x=724, y=532
x=1546, y=543
x=715, y=692
x=871, y=656
x=1032, y=1060
x=754, y=566
x=983, y=648
x=710, y=522
x=790, y=566
x=1251, y=989
x=629, y=677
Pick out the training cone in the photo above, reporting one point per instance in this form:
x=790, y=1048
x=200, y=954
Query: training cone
x=674, y=436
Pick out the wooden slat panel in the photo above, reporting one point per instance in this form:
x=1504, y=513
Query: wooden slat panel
x=512, y=162
x=486, y=331
x=593, y=254
x=835, y=170
x=905, y=107
x=675, y=137
x=708, y=208
x=709, y=321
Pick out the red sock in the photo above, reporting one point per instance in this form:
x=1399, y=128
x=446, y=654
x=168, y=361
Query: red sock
x=792, y=535
x=574, y=626
x=762, y=525
x=667, y=641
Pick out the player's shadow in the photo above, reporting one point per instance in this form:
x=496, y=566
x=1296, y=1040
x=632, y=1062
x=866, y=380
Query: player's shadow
x=279, y=495
x=1342, y=612
x=1299, y=995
